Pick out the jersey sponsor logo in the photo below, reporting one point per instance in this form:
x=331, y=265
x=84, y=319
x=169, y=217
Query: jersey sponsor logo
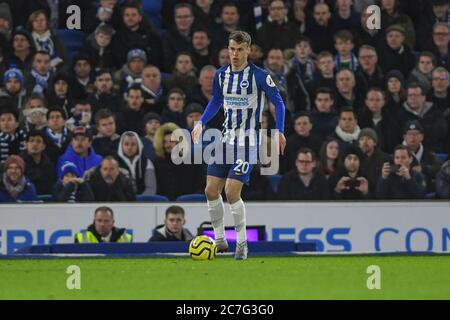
x=244, y=84
x=269, y=81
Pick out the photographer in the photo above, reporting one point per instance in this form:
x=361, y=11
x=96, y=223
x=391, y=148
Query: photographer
x=350, y=183
x=398, y=181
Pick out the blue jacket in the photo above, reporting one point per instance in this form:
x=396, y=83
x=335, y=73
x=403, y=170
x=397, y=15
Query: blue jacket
x=83, y=164
x=28, y=194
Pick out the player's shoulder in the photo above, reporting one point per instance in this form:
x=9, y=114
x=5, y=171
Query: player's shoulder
x=258, y=71
x=222, y=69
x=262, y=76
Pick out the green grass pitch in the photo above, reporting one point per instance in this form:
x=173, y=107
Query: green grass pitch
x=331, y=277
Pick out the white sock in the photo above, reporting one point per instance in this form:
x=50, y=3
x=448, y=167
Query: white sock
x=238, y=211
x=216, y=212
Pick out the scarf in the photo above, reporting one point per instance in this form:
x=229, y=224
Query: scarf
x=348, y=137
x=57, y=139
x=45, y=43
x=298, y=69
x=257, y=12
x=353, y=62
x=41, y=81
x=5, y=140
x=157, y=96
x=14, y=190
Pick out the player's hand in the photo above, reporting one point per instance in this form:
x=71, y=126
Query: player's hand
x=282, y=142
x=197, y=132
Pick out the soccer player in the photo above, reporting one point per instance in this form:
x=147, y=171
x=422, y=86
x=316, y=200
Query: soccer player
x=241, y=88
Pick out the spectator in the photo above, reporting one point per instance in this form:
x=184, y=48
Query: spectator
x=298, y=15
x=39, y=168
x=223, y=58
x=139, y=169
x=153, y=89
x=345, y=58
x=329, y=156
x=347, y=130
x=259, y=188
x=22, y=49
x=347, y=96
x=323, y=117
x=38, y=79
x=443, y=181
x=80, y=153
x=398, y=180
x=82, y=115
x=391, y=15
x=45, y=40
x=428, y=18
x=132, y=113
x=301, y=73
x=13, y=88
x=131, y=72
x=134, y=34
x=108, y=184
x=71, y=188
x=12, y=139
x=277, y=68
x=152, y=122
x=374, y=157
x=104, y=96
x=98, y=47
x=324, y=76
x=394, y=53
x=172, y=230
x=183, y=75
x=106, y=142
x=439, y=95
x=369, y=73
x=34, y=114
x=58, y=136
x=303, y=182
x=103, y=229
x=82, y=69
x=193, y=114
x=104, y=12
x=59, y=94
x=350, y=183
x=441, y=44
x=376, y=116
x=278, y=23
x=256, y=55
x=173, y=180
x=321, y=30
x=345, y=16
x=432, y=120
x=364, y=35
x=6, y=22
x=14, y=185
x=301, y=138
x=395, y=92
x=207, y=13
x=203, y=92
x=426, y=161
x=179, y=38
x=173, y=112
x=230, y=22
x=201, y=54
x=422, y=72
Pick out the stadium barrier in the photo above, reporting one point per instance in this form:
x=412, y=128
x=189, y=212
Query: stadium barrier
x=349, y=227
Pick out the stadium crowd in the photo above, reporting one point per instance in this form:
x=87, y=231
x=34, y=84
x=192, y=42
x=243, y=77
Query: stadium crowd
x=368, y=111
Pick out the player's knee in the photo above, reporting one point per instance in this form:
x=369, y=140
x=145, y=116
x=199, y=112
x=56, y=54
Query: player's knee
x=211, y=193
x=232, y=196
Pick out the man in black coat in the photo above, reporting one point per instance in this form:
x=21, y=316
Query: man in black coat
x=131, y=115
x=104, y=96
x=320, y=30
x=303, y=182
x=172, y=229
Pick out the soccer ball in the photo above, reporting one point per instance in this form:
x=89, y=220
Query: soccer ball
x=202, y=248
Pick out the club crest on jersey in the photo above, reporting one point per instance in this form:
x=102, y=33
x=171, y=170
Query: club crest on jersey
x=269, y=81
x=244, y=84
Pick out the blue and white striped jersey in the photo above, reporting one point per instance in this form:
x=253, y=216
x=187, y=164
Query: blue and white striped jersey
x=243, y=95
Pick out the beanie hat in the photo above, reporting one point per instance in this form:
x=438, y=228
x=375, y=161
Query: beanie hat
x=352, y=149
x=395, y=74
x=368, y=132
x=151, y=116
x=137, y=53
x=14, y=73
x=14, y=159
x=193, y=107
x=69, y=167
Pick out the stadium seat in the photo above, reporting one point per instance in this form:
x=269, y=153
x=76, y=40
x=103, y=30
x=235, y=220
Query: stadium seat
x=274, y=182
x=45, y=197
x=152, y=198
x=192, y=198
x=72, y=39
x=442, y=156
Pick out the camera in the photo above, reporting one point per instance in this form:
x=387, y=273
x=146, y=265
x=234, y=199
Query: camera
x=394, y=168
x=353, y=183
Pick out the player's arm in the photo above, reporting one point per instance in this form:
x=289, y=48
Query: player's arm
x=211, y=109
x=272, y=92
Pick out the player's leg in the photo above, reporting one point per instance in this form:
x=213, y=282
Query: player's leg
x=233, y=190
x=213, y=191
